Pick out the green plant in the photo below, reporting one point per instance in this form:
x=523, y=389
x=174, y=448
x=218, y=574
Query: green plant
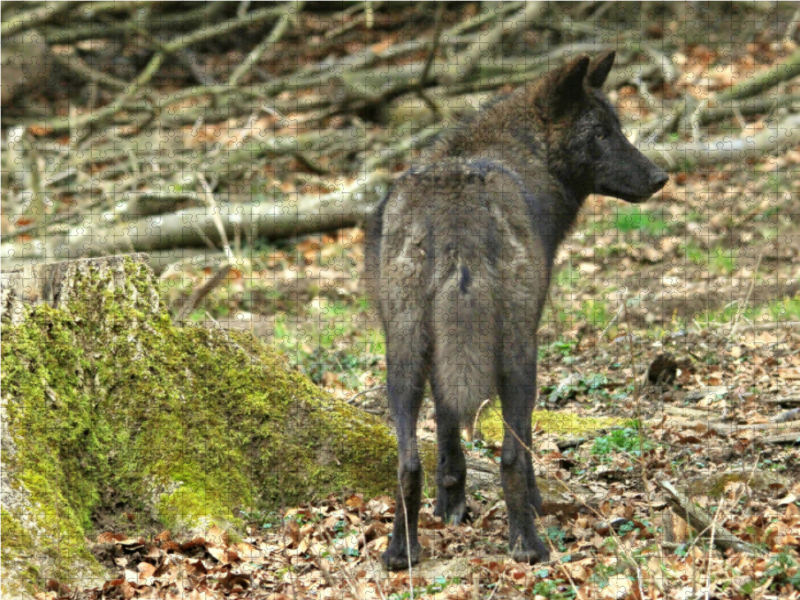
x=590, y=384
x=626, y=440
x=565, y=348
x=556, y=535
x=439, y=585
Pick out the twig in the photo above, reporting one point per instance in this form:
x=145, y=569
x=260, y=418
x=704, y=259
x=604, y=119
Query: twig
x=483, y=405
x=637, y=396
x=35, y=17
x=485, y=45
x=408, y=542
x=291, y=11
x=620, y=310
x=215, y=217
x=70, y=59
x=218, y=29
x=364, y=393
x=483, y=17
x=437, y=23
x=202, y=292
x=190, y=61
x=743, y=307
x=711, y=547
x=361, y=6
x=791, y=28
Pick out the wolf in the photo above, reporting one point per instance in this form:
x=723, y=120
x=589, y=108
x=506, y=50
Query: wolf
x=459, y=259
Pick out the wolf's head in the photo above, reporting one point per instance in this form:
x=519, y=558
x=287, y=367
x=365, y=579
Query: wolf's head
x=586, y=146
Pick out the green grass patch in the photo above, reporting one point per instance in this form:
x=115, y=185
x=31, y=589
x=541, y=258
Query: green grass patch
x=630, y=219
x=787, y=309
x=718, y=260
x=567, y=279
x=595, y=312
x=723, y=261
x=332, y=336
x=693, y=253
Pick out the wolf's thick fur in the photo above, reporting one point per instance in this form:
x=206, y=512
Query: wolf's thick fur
x=459, y=259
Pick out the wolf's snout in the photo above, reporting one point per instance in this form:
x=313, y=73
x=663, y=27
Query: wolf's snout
x=659, y=179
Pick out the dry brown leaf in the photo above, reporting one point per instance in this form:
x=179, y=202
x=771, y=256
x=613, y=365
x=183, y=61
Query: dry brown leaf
x=146, y=569
x=356, y=502
x=619, y=587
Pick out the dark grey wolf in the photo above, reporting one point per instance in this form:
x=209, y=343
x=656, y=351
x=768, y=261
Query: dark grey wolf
x=459, y=258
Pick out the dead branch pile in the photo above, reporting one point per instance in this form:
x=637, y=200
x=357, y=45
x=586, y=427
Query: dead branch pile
x=173, y=127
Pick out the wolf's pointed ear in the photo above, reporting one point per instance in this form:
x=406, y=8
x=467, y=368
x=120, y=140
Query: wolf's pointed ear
x=561, y=90
x=600, y=68
x=568, y=85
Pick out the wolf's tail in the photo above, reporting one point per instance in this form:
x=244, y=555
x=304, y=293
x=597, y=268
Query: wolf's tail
x=465, y=338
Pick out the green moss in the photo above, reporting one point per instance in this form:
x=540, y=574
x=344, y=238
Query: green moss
x=114, y=410
x=491, y=422
x=15, y=540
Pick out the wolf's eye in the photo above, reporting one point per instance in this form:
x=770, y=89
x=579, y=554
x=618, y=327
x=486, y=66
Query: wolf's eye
x=600, y=134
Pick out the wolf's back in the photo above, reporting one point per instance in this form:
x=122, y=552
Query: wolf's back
x=455, y=246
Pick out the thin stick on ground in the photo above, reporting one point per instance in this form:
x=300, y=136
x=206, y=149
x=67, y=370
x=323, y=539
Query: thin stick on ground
x=475, y=421
x=637, y=398
x=711, y=547
x=743, y=307
x=353, y=399
x=291, y=12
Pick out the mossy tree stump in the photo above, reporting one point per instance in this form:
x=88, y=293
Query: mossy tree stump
x=113, y=418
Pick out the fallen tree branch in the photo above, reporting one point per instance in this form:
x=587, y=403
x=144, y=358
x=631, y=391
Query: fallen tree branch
x=752, y=106
x=69, y=59
x=339, y=209
x=702, y=522
x=192, y=227
x=786, y=401
x=680, y=157
x=291, y=13
x=217, y=29
x=756, y=83
x=783, y=438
